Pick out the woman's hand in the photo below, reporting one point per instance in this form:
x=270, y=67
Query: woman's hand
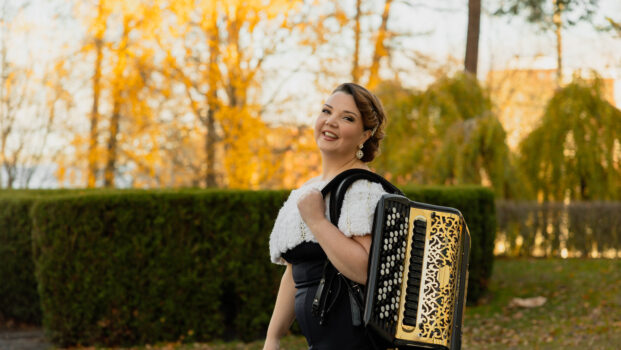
x=349, y=255
x=312, y=207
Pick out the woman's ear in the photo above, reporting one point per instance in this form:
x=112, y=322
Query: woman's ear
x=367, y=135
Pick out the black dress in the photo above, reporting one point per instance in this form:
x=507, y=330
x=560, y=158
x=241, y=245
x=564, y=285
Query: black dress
x=337, y=332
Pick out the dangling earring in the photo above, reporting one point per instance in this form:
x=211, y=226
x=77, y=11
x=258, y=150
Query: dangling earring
x=360, y=154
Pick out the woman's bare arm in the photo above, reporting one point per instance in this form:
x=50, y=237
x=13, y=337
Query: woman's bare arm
x=284, y=311
x=349, y=255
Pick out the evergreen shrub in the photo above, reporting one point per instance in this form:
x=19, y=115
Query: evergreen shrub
x=19, y=300
x=557, y=229
x=137, y=267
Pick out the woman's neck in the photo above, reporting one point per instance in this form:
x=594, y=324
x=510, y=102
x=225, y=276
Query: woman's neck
x=332, y=167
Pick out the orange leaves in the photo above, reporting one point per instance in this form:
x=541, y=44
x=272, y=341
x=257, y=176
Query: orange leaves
x=219, y=67
x=179, y=86
x=244, y=148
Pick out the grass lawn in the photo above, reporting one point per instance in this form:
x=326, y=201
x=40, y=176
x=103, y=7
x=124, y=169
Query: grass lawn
x=583, y=309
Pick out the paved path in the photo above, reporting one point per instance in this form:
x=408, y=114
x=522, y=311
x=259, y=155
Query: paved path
x=23, y=340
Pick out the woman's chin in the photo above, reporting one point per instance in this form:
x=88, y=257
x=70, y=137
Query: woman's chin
x=327, y=146
x=330, y=152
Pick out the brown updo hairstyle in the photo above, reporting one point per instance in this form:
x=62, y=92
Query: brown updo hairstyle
x=372, y=114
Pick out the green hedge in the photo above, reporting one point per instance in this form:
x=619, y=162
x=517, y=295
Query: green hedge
x=18, y=288
x=130, y=268
x=19, y=300
x=552, y=229
x=135, y=267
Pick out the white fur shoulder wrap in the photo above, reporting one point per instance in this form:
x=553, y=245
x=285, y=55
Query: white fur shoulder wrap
x=356, y=216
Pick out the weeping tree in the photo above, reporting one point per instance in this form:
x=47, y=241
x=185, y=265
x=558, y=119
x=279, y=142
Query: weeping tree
x=575, y=152
x=400, y=151
x=447, y=134
x=474, y=151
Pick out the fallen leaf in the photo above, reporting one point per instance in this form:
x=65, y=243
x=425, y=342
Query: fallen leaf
x=528, y=302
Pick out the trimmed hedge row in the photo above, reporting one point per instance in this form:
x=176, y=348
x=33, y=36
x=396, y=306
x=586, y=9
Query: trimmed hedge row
x=119, y=269
x=19, y=299
x=135, y=267
x=549, y=229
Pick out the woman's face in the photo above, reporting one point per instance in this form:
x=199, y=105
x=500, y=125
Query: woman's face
x=339, y=128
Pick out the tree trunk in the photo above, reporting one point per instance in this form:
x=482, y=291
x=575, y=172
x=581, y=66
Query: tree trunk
x=212, y=106
x=355, y=71
x=210, y=144
x=92, y=146
x=112, y=145
x=5, y=124
x=117, y=103
x=558, y=24
x=380, y=48
x=10, y=172
x=472, y=41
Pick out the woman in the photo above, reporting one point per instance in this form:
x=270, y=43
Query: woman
x=347, y=131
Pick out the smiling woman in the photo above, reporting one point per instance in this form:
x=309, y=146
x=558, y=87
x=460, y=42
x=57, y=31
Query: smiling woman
x=351, y=108
x=348, y=131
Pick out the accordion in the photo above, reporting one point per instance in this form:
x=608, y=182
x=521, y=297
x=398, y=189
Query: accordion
x=418, y=274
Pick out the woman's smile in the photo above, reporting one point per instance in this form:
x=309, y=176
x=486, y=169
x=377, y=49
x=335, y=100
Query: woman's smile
x=329, y=136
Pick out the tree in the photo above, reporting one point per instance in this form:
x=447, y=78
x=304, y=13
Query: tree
x=99, y=28
x=575, y=152
x=380, y=50
x=446, y=135
x=237, y=39
x=28, y=104
x=129, y=78
x=119, y=41
x=474, y=151
x=177, y=91
x=369, y=40
x=616, y=26
x=561, y=14
x=355, y=69
x=472, y=40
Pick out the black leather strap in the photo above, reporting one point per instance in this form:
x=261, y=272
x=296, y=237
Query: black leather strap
x=337, y=188
x=339, y=185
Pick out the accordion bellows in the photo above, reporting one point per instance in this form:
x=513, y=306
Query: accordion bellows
x=416, y=287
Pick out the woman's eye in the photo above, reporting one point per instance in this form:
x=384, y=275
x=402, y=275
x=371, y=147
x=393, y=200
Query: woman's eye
x=350, y=119
x=325, y=110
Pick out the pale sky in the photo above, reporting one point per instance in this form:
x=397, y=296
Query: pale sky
x=501, y=40
x=503, y=44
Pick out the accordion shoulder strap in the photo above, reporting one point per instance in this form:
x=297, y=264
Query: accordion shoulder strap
x=338, y=186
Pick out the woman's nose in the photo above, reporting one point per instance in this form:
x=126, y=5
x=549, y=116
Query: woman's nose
x=331, y=120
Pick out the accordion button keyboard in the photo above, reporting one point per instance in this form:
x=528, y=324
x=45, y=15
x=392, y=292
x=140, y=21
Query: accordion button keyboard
x=390, y=264
x=412, y=298
x=415, y=272
x=409, y=321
